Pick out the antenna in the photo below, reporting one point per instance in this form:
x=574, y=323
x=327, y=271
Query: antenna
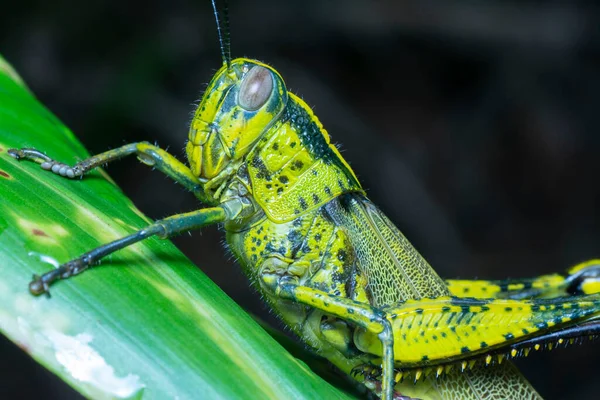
x=223, y=31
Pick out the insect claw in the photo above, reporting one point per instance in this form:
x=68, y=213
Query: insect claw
x=549, y=345
x=513, y=353
x=463, y=366
x=536, y=347
x=488, y=360
x=14, y=153
x=500, y=358
x=38, y=286
x=526, y=351
x=560, y=341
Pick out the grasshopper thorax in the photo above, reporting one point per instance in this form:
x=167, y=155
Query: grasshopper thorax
x=240, y=104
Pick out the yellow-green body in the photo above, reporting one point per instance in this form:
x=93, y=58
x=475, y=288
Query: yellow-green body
x=331, y=264
x=312, y=226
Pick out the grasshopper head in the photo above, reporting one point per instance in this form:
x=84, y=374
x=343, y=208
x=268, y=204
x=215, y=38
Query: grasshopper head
x=239, y=105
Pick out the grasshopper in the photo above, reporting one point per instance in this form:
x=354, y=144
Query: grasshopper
x=329, y=262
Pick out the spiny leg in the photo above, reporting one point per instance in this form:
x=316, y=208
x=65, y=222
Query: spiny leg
x=432, y=336
x=431, y=332
x=162, y=228
x=361, y=314
x=147, y=153
x=583, y=278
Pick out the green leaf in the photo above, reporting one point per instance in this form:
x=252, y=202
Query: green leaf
x=148, y=322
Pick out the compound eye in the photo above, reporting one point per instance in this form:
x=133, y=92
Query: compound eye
x=255, y=89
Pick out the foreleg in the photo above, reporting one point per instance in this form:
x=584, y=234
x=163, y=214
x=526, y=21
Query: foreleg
x=147, y=153
x=163, y=228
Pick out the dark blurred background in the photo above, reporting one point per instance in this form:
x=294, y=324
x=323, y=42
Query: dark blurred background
x=473, y=125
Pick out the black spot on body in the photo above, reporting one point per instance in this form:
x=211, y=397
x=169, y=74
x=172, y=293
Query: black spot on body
x=262, y=171
x=295, y=237
x=302, y=203
x=270, y=248
x=483, y=345
x=283, y=179
x=464, y=350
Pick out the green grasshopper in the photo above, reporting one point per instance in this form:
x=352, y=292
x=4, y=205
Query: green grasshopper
x=330, y=263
